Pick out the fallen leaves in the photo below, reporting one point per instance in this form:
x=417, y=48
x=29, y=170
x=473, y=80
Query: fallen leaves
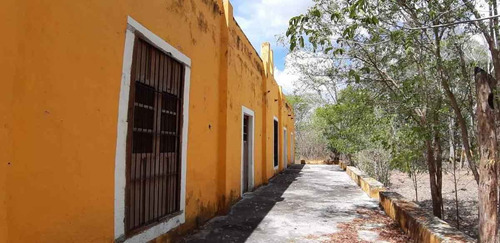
x=387, y=230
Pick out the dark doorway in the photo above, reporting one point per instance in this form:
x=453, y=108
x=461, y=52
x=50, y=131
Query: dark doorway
x=276, y=155
x=246, y=152
x=285, y=148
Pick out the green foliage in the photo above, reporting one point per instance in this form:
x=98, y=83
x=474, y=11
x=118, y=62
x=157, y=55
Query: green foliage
x=354, y=123
x=406, y=149
x=311, y=143
x=302, y=105
x=395, y=99
x=375, y=162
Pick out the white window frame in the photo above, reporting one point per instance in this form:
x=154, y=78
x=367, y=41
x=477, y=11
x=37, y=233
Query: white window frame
x=251, y=161
x=277, y=166
x=134, y=28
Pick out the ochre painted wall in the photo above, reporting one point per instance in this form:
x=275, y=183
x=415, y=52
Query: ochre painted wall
x=8, y=57
x=61, y=69
x=273, y=106
x=287, y=114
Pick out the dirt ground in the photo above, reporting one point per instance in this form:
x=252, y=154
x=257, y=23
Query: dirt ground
x=467, y=196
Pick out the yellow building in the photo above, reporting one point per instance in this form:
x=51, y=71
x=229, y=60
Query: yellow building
x=131, y=120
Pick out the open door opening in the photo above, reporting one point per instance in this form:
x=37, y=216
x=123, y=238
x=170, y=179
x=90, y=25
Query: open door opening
x=285, y=149
x=276, y=132
x=247, y=151
x=292, y=148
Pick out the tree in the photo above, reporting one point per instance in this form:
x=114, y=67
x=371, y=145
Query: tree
x=383, y=60
x=485, y=87
x=318, y=73
x=413, y=56
x=311, y=143
x=351, y=125
x=406, y=149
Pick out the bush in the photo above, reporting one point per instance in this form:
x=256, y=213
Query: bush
x=376, y=163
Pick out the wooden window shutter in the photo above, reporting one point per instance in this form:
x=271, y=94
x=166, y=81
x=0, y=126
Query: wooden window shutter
x=154, y=138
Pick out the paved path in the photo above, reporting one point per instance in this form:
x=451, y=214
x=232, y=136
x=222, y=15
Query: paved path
x=311, y=203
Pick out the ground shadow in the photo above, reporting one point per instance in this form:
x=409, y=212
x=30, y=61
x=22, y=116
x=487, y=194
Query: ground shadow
x=467, y=214
x=247, y=214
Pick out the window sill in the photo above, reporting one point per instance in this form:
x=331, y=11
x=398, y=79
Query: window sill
x=154, y=230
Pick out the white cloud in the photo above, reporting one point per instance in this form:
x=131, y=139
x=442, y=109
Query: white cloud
x=310, y=73
x=480, y=39
x=286, y=79
x=263, y=20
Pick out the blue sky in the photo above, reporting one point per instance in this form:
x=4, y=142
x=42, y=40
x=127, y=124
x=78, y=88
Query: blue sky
x=264, y=20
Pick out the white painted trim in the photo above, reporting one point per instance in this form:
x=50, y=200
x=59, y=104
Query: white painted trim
x=277, y=166
x=158, y=42
x=134, y=27
x=285, y=148
x=251, y=114
x=121, y=140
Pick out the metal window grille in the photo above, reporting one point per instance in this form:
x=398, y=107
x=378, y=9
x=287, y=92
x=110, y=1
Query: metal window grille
x=153, y=151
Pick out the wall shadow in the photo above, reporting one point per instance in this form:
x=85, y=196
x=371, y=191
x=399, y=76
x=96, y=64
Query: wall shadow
x=245, y=216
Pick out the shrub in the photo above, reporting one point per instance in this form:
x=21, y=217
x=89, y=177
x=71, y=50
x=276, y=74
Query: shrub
x=376, y=163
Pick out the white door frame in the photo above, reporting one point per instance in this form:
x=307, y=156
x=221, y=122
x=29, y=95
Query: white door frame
x=135, y=28
x=251, y=163
x=285, y=148
x=277, y=142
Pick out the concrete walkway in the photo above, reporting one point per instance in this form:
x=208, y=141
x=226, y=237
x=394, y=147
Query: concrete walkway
x=311, y=203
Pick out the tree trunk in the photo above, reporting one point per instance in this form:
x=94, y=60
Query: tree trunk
x=438, y=158
x=451, y=126
x=455, y=184
x=431, y=163
x=414, y=179
x=456, y=108
x=453, y=160
x=488, y=156
x=461, y=159
x=415, y=185
x=436, y=204
x=463, y=131
x=460, y=118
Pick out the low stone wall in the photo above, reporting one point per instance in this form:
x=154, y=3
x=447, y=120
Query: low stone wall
x=418, y=223
x=369, y=185
x=343, y=165
x=415, y=221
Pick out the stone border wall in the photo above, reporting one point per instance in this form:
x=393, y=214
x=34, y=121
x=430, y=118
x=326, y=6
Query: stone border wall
x=415, y=221
x=369, y=185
